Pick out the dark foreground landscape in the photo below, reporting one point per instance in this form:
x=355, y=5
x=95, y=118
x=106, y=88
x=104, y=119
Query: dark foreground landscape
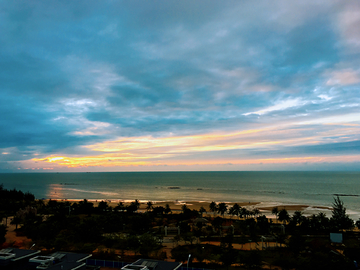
x=215, y=237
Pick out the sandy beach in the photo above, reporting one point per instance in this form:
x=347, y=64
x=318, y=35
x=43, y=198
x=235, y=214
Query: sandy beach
x=264, y=208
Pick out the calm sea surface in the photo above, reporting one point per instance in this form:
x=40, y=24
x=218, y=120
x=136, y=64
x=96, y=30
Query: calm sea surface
x=312, y=188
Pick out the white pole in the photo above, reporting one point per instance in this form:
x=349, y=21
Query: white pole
x=188, y=260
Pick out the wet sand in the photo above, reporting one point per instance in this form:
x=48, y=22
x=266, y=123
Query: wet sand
x=264, y=208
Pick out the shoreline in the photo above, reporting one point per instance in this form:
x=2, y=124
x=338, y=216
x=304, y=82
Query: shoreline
x=175, y=206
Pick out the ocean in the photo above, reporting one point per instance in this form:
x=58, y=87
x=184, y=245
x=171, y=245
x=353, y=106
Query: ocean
x=269, y=188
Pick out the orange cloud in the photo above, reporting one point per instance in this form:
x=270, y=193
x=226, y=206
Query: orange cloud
x=180, y=150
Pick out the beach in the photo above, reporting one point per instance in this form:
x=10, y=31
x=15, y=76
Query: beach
x=265, y=209
x=309, y=192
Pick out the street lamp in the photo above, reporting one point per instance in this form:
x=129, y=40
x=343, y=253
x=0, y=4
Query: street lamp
x=188, y=260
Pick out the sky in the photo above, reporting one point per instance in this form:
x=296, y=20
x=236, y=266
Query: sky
x=179, y=85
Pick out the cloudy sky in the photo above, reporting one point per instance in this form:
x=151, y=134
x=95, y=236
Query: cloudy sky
x=179, y=85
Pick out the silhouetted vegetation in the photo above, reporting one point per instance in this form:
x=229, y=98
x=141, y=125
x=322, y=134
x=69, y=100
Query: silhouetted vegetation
x=300, y=242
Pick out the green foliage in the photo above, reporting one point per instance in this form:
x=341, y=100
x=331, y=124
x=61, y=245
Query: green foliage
x=339, y=219
x=148, y=243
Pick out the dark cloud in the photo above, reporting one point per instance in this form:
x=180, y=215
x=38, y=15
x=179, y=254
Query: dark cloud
x=77, y=73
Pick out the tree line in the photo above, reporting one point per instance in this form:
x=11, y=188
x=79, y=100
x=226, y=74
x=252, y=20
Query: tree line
x=83, y=227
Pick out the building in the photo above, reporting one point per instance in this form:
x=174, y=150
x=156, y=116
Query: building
x=24, y=259
x=60, y=260
x=14, y=258
x=147, y=264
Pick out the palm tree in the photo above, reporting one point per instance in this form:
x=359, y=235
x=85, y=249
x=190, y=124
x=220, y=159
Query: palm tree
x=231, y=211
x=149, y=206
x=184, y=208
x=244, y=212
x=256, y=212
x=284, y=215
x=275, y=211
x=213, y=207
x=222, y=208
x=120, y=207
x=298, y=217
x=133, y=207
x=167, y=209
x=137, y=204
x=236, y=209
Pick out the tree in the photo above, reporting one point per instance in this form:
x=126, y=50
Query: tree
x=148, y=243
x=149, y=206
x=222, y=208
x=275, y=211
x=16, y=221
x=85, y=207
x=263, y=224
x=213, y=207
x=158, y=210
x=357, y=223
x=133, y=243
x=217, y=224
x=244, y=212
x=284, y=215
x=103, y=206
x=297, y=218
x=184, y=208
x=256, y=212
x=339, y=219
x=120, y=207
x=235, y=210
x=133, y=207
x=167, y=209
x=319, y=222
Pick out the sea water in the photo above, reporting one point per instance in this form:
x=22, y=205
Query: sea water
x=309, y=188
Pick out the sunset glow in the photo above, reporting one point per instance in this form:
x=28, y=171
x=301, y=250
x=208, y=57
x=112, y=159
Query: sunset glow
x=180, y=85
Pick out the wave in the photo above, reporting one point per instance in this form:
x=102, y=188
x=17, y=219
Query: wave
x=93, y=191
x=350, y=195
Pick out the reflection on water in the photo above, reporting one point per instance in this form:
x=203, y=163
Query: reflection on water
x=55, y=191
x=61, y=191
